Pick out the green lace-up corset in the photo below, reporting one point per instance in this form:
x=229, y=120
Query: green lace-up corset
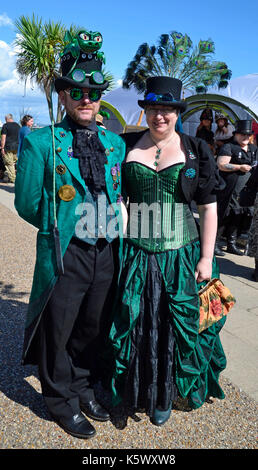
x=159, y=219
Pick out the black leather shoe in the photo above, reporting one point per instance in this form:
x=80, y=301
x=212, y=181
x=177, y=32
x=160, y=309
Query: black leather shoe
x=218, y=251
x=232, y=248
x=77, y=426
x=231, y=245
x=94, y=410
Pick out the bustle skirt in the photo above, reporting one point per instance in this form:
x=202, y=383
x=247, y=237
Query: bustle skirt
x=158, y=353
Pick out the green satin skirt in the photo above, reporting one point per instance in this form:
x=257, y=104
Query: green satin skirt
x=193, y=361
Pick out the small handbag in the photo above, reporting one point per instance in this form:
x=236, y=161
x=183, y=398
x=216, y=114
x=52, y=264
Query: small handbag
x=216, y=301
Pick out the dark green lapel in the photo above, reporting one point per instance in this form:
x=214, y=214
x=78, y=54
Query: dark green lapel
x=113, y=159
x=64, y=150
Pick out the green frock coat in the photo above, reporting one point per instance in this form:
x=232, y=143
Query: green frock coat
x=34, y=203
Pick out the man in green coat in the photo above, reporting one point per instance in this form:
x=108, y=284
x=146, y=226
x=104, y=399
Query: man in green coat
x=68, y=185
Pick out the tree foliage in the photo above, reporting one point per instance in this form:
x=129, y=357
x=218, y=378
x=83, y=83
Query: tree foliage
x=175, y=56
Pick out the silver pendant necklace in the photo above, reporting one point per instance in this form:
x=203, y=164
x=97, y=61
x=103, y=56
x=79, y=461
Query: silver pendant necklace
x=159, y=150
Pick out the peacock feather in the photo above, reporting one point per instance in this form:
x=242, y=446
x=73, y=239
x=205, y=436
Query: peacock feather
x=176, y=56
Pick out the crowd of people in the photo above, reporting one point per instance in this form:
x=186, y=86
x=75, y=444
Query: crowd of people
x=115, y=294
x=12, y=136
x=235, y=151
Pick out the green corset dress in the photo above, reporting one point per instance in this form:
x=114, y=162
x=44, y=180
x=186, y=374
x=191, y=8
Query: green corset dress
x=154, y=342
x=159, y=218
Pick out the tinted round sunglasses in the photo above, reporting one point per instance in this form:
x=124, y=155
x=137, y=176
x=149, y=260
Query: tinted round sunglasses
x=77, y=94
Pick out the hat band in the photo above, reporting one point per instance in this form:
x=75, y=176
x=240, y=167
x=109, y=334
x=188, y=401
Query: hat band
x=153, y=97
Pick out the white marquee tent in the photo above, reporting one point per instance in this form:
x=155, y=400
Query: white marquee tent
x=238, y=101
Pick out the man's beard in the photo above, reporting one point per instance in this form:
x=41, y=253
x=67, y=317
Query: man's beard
x=74, y=114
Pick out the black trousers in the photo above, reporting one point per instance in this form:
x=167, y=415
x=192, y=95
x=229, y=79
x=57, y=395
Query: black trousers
x=70, y=327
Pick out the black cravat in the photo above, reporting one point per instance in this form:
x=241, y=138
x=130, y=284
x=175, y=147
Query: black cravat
x=92, y=158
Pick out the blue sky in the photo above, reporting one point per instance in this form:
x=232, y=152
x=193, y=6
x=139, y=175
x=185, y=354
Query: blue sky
x=126, y=25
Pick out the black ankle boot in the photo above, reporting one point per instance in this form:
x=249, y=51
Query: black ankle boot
x=231, y=246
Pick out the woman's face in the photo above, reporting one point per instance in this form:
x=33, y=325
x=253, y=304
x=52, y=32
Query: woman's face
x=30, y=122
x=221, y=123
x=161, y=119
x=242, y=139
x=206, y=123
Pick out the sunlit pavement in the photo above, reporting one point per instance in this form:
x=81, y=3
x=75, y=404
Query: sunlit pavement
x=239, y=335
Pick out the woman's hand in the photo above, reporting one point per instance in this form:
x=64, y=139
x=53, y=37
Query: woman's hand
x=203, y=271
x=208, y=230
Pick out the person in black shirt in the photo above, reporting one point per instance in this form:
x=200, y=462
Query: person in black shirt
x=204, y=129
x=235, y=161
x=9, y=147
x=249, y=197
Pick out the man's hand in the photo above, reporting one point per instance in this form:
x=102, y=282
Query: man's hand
x=245, y=168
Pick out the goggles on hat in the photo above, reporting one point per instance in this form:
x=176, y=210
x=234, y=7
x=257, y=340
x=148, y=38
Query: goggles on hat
x=77, y=94
x=96, y=76
x=154, y=97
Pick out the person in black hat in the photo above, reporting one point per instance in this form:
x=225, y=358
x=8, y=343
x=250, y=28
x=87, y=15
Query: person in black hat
x=158, y=353
x=249, y=197
x=69, y=186
x=204, y=129
x=235, y=161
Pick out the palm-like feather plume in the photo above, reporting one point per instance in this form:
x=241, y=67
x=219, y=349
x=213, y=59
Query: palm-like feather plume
x=176, y=56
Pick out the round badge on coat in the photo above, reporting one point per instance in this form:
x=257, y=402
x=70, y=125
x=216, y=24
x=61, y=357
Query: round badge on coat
x=61, y=169
x=67, y=192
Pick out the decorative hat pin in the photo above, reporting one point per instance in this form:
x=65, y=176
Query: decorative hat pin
x=86, y=41
x=82, y=61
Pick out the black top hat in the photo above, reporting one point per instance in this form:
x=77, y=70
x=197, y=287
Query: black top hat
x=81, y=66
x=163, y=91
x=243, y=127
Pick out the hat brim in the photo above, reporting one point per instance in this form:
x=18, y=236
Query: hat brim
x=62, y=83
x=221, y=118
x=243, y=132
x=181, y=105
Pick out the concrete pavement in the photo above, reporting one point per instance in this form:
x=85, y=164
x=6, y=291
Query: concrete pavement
x=239, y=335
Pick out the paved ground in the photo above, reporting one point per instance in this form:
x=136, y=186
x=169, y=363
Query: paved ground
x=230, y=423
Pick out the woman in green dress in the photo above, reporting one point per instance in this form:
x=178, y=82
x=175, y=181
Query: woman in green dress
x=157, y=350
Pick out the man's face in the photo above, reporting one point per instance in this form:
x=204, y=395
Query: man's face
x=83, y=111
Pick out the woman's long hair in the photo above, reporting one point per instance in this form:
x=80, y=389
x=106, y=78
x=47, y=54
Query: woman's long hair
x=25, y=119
